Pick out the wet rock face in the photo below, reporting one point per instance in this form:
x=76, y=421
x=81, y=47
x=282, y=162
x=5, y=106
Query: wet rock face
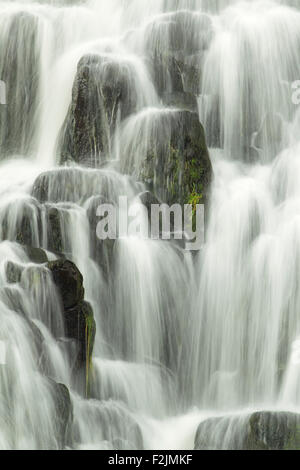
x=102, y=92
x=259, y=431
x=21, y=222
x=13, y=272
x=69, y=282
x=176, y=44
x=273, y=431
x=63, y=413
x=54, y=230
x=180, y=100
x=67, y=184
x=36, y=255
x=77, y=185
x=180, y=167
x=80, y=325
x=78, y=315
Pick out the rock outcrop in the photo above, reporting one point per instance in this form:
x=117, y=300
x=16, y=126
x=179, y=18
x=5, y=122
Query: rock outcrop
x=78, y=315
x=175, y=46
x=69, y=282
x=75, y=185
x=258, y=431
x=173, y=160
x=102, y=92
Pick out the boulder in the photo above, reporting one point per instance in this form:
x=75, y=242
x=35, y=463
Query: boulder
x=102, y=89
x=78, y=316
x=54, y=231
x=68, y=279
x=70, y=185
x=178, y=169
x=176, y=43
x=13, y=272
x=36, y=255
x=181, y=100
x=259, y=431
x=115, y=425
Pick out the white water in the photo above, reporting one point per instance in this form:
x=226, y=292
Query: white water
x=176, y=341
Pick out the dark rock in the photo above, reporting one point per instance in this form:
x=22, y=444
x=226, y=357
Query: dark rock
x=176, y=43
x=13, y=272
x=70, y=185
x=191, y=70
x=102, y=89
x=179, y=31
x=273, y=431
x=54, y=232
x=177, y=74
x=167, y=74
x=80, y=325
x=63, y=413
x=78, y=316
x=177, y=166
x=184, y=101
x=259, y=431
x=36, y=255
x=68, y=280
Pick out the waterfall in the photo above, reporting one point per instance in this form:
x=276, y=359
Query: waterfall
x=113, y=98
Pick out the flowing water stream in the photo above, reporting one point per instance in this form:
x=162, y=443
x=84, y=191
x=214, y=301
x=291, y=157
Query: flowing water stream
x=179, y=338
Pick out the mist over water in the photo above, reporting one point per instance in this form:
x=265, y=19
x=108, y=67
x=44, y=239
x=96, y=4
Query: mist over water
x=180, y=338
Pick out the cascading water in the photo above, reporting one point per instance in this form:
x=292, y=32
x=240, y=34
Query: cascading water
x=181, y=339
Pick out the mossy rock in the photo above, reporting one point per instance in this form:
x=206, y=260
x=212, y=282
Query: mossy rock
x=180, y=168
